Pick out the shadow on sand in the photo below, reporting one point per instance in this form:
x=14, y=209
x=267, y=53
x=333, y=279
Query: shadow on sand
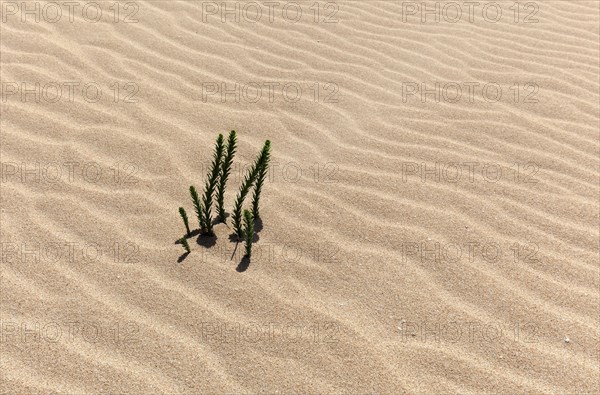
x=210, y=241
x=243, y=265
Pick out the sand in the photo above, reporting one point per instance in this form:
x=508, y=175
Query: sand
x=429, y=224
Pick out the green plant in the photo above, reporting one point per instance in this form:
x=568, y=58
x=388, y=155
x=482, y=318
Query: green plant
x=185, y=220
x=197, y=205
x=260, y=177
x=236, y=215
x=211, y=183
x=248, y=231
x=185, y=244
x=225, y=170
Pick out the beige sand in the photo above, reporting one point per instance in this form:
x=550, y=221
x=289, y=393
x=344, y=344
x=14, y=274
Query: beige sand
x=366, y=278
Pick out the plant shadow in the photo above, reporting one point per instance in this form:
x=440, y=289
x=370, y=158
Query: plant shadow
x=234, y=250
x=233, y=238
x=193, y=233
x=243, y=265
x=210, y=241
x=218, y=220
x=258, y=224
x=206, y=241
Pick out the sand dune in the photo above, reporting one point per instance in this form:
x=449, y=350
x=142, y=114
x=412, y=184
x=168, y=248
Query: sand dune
x=430, y=220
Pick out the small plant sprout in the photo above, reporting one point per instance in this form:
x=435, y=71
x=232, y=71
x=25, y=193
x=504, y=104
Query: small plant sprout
x=185, y=220
x=197, y=206
x=243, y=218
x=211, y=183
x=260, y=177
x=248, y=231
x=225, y=170
x=236, y=214
x=249, y=179
x=185, y=244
